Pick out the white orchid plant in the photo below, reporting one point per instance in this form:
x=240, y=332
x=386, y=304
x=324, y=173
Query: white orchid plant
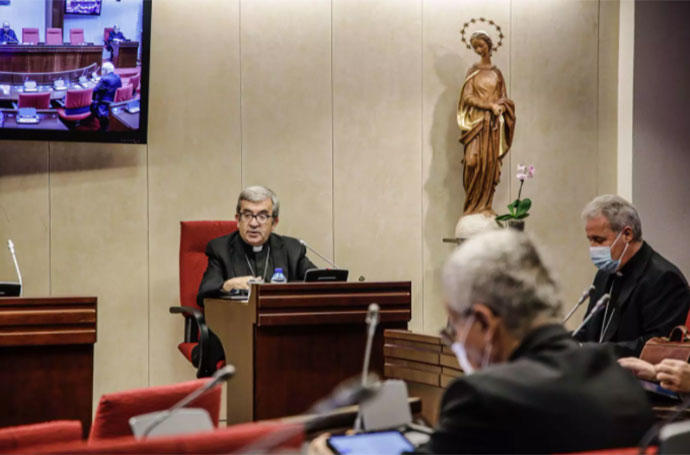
x=519, y=208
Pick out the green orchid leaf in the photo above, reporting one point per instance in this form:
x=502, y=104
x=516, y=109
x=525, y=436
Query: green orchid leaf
x=513, y=205
x=522, y=216
x=524, y=205
x=505, y=217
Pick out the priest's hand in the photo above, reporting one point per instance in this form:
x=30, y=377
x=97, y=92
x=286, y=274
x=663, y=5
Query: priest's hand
x=674, y=375
x=240, y=282
x=639, y=367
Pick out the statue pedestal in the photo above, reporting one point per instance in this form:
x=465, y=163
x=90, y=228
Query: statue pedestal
x=469, y=225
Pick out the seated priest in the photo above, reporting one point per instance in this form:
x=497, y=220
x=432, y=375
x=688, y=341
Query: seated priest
x=114, y=35
x=527, y=387
x=7, y=35
x=648, y=294
x=104, y=94
x=252, y=253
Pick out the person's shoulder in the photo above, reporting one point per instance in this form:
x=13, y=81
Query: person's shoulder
x=221, y=241
x=663, y=267
x=285, y=241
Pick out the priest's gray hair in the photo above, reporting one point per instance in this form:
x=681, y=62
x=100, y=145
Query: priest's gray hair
x=502, y=270
x=259, y=193
x=618, y=211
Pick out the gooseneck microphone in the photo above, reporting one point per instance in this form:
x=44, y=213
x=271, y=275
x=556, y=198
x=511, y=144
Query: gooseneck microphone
x=10, y=246
x=585, y=296
x=331, y=263
x=219, y=376
x=372, y=321
x=601, y=303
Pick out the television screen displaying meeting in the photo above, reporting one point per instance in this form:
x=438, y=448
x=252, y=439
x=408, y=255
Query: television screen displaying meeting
x=74, y=70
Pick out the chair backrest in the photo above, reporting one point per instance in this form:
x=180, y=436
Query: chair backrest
x=76, y=35
x=78, y=98
x=37, y=100
x=134, y=80
x=115, y=409
x=22, y=437
x=123, y=93
x=223, y=440
x=30, y=35
x=194, y=236
x=106, y=33
x=54, y=36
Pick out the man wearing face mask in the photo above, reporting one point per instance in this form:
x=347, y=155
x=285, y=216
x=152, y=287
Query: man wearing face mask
x=649, y=295
x=528, y=386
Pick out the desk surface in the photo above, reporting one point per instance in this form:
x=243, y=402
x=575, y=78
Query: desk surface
x=49, y=120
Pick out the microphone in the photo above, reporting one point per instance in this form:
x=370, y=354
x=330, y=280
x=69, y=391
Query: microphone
x=585, y=296
x=598, y=306
x=331, y=263
x=10, y=246
x=372, y=321
x=219, y=376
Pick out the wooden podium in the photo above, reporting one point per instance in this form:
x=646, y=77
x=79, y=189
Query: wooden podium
x=46, y=359
x=293, y=343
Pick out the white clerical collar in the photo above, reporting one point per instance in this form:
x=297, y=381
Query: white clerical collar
x=258, y=248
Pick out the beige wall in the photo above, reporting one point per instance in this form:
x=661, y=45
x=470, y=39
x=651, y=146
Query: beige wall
x=345, y=108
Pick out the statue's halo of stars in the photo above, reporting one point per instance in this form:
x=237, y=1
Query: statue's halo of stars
x=481, y=20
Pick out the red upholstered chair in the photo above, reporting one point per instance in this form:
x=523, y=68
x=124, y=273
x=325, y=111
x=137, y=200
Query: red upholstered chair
x=76, y=35
x=37, y=100
x=123, y=93
x=21, y=438
x=223, y=440
x=115, y=409
x=194, y=236
x=77, y=105
x=54, y=36
x=30, y=35
x=106, y=33
x=134, y=80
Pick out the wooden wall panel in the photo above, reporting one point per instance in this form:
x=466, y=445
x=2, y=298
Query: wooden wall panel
x=99, y=247
x=287, y=112
x=377, y=83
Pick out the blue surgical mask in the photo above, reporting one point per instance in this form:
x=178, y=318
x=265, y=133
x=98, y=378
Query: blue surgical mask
x=601, y=256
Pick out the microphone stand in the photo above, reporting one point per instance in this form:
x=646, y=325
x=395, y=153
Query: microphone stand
x=372, y=321
x=331, y=263
x=10, y=245
x=585, y=296
x=598, y=306
x=218, y=377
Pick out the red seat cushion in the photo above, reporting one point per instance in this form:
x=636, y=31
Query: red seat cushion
x=186, y=349
x=23, y=436
x=115, y=409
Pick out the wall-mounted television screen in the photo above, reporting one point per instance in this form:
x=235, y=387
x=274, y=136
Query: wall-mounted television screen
x=83, y=79
x=88, y=7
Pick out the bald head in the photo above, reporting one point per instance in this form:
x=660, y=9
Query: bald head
x=107, y=68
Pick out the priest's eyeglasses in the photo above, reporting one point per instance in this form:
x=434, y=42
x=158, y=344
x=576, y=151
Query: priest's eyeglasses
x=261, y=217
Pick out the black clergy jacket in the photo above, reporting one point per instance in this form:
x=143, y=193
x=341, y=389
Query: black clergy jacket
x=551, y=396
x=228, y=258
x=649, y=296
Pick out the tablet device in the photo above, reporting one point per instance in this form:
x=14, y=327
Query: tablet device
x=325, y=275
x=656, y=390
x=380, y=442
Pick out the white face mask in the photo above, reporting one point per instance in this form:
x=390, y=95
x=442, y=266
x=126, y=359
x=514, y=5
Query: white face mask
x=458, y=348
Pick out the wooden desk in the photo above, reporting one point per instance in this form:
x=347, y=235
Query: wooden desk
x=424, y=363
x=49, y=120
x=40, y=58
x=46, y=359
x=293, y=343
x=125, y=54
x=120, y=119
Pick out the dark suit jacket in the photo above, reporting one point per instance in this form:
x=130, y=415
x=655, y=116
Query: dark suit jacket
x=551, y=396
x=9, y=37
x=113, y=36
x=226, y=259
x=650, y=296
x=104, y=93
